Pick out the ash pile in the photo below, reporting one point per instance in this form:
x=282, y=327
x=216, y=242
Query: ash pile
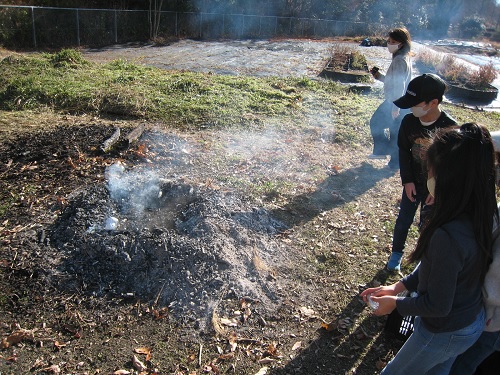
x=164, y=240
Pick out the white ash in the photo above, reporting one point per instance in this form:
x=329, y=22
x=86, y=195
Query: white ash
x=188, y=248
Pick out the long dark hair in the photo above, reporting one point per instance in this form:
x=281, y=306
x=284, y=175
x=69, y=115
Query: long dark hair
x=463, y=163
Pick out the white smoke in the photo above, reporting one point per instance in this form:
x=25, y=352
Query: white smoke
x=133, y=190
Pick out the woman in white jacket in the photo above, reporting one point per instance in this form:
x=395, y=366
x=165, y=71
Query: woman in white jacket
x=387, y=115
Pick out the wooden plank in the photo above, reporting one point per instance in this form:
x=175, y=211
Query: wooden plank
x=135, y=134
x=109, y=143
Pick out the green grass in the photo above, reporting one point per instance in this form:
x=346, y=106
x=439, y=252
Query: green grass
x=66, y=82
x=8, y=198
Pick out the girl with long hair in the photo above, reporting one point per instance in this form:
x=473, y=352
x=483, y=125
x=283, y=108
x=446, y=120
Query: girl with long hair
x=454, y=251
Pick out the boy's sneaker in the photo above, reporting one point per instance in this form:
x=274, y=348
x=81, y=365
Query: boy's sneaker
x=375, y=156
x=394, y=263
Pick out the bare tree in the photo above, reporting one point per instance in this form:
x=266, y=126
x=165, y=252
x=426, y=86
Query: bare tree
x=154, y=14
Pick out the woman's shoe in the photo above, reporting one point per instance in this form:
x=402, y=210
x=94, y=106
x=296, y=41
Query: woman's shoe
x=394, y=263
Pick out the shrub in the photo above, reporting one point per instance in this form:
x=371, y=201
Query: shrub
x=471, y=27
x=68, y=58
x=345, y=57
x=429, y=59
x=447, y=67
x=484, y=76
x=451, y=70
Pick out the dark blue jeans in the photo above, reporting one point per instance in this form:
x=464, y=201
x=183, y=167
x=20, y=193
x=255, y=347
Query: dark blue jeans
x=428, y=353
x=379, y=122
x=407, y=210
x=466, y=363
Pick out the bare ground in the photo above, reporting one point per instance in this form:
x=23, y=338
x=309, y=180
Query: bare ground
x=256, y=268
x=290, y=303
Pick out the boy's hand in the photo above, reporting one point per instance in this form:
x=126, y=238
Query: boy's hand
x=410, y=191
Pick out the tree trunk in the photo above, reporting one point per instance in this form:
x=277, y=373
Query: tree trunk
x=154, y=17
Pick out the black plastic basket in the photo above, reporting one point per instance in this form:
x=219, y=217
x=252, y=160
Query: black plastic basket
x=399, y=326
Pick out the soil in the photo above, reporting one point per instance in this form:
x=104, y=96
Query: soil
x=206, y=280
x=155, y=258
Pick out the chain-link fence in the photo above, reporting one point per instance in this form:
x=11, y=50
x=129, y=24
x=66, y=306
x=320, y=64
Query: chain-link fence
x=47, y=27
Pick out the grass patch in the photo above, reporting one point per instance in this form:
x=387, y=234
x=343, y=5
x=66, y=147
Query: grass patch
x=67, y=82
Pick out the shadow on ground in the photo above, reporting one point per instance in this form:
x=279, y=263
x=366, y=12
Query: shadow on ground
x=352, y=183
x=359, y=351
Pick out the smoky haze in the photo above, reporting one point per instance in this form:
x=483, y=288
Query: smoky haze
x=426, y=18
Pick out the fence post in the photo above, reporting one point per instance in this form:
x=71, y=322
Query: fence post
x=176, y=24
x=116, y=27
x=242, y=25
x=33, y=25
x=77, y=28
x=201, y=26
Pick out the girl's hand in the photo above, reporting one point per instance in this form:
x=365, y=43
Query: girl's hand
x=429, y=200
x=385, y=296
x=387, y=290
x=386, y=304
x=370, y=292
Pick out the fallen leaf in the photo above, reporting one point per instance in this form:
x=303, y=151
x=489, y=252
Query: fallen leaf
x=38, y=363
x=59, y=345
x=121, y=372
x=225, y=357
x=211, y=368
x=138, y=365
x=297, y=345
x=145, y=351
x=329, y=326
x=380, y=364
x=246, y=314
x=229, y=322
x=272, y=350
x=54, y=369
x=16, y=337
x=310, y=313
x=262, y=371
x=142, y=150
x=233, y=341
x=265, y=361
x=160, y=313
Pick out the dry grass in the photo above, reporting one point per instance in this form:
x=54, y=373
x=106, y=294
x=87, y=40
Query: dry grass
x=447, y=66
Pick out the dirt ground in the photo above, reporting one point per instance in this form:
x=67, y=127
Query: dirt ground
x=153, y=258
x=261, y=297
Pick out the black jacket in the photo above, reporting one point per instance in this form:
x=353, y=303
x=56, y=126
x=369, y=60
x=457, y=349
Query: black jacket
x=412, y=139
